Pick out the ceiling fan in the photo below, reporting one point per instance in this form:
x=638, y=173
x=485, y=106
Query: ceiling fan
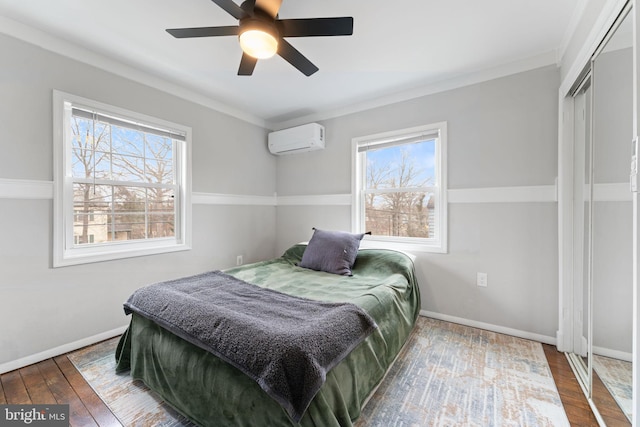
x=262, y=34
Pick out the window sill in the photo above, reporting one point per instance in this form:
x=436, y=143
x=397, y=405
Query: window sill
x=412, y=247
x=79, y=257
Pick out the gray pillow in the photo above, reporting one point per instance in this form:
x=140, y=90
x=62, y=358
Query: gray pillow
x=331, y=251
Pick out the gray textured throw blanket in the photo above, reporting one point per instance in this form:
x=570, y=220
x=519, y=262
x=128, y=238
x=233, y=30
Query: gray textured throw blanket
x=287, y=344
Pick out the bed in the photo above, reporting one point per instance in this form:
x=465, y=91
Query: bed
x=212, y=392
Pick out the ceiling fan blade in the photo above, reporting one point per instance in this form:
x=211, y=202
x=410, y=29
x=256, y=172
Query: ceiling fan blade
x=269, y=6
x=247, y=64
x=311, y=27
x=295, y=58
x=182, y=33
x=231, y=8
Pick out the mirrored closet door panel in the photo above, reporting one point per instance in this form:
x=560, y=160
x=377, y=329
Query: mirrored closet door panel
x=581, y=224
x=608, y=226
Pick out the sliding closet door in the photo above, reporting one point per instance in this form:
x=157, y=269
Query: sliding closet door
x=611, y=231
x=582, y=223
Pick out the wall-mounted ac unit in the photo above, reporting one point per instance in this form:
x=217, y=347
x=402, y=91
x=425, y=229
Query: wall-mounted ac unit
x=298, y=139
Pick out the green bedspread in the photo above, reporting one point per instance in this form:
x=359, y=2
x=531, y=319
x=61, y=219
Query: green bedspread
x=213, y=393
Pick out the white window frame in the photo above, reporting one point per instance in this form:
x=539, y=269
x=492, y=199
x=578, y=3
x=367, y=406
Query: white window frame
x=65, y=252
x=437, y=244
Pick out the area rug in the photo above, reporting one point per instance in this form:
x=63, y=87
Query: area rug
x=454, y=375
x=447, y=375
x=617, y=376
x=130, y=401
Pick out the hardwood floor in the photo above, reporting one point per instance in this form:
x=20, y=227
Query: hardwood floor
x=573, y=399
x=575, y=404
x=57, y=381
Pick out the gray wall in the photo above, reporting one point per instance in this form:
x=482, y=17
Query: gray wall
x=501, y=133
x=44, y=308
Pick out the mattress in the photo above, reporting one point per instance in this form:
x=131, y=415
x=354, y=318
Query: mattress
x=211, y=392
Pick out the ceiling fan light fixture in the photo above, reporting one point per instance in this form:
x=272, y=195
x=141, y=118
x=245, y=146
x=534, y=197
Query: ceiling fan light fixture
x=262, y=33
x=258, y=39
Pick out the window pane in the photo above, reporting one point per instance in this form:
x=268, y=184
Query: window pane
x=159, y=171
x=102, y=137
x=159, y=159
x=89, y=198
x=104, y=213
x=102, y=166
x=97, y=233
x=92, y=207
x=89, y=150
x=82, y=131
x=401, y=166
x=81, y=163
x=128, y=226
x=160, y=200
x=127, y=141
x=82, y=153
x=161, y=225
x=129, y=200
x=401, y=214
x=128, y=168
x=87, y=136
x=129, y=206
x=159, y=147
x=161, y=205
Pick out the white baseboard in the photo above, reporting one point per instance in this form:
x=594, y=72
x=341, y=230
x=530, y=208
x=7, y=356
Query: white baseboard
x=57, y=351
x=560, y=344
x=489, y=327
x=613, y=354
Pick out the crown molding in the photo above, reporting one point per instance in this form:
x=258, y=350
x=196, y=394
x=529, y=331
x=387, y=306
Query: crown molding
x=70, y=50
x=507, y=69
x=578, y=12
x=599, y=29
x=65, y=48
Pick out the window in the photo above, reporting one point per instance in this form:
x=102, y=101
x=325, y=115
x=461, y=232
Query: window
x=400, y=187
x=121, y=183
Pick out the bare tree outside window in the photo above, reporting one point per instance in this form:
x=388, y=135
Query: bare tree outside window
x=398, y=197
x=123, y=183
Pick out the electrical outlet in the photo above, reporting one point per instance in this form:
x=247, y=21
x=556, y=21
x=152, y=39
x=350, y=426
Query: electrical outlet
x=239, y=260
x=482, y=279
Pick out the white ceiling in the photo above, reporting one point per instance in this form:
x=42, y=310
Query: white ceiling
x=398, y=47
